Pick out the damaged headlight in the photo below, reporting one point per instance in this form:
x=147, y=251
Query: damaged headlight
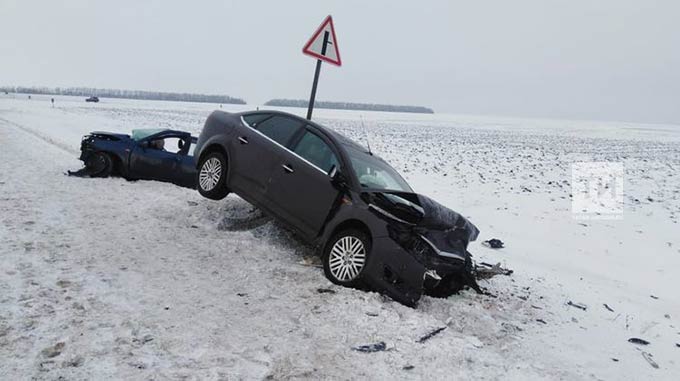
x=440, y=252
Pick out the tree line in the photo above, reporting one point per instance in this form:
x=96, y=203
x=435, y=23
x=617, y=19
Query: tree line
x=125, y=94
x=349, y=106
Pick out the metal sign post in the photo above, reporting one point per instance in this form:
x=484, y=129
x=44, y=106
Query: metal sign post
x=317, y=47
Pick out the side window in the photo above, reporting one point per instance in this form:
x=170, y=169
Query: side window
x=316, y=151
x=279, y=128
x=254, y=119
x=170, y=144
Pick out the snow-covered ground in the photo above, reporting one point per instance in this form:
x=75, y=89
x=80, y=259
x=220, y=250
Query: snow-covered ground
x=109, y=279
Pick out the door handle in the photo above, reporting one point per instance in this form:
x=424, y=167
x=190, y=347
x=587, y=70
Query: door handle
x=243, y=140
x=288, y=168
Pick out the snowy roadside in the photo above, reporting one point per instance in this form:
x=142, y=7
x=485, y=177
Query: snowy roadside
x=136, y=281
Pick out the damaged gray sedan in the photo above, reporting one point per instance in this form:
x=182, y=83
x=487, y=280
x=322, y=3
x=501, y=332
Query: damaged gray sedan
x=372, y=231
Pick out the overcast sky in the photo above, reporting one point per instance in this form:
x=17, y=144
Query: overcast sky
x=582, y=59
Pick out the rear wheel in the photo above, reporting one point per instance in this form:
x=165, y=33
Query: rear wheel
x=212, y=176
x=345, y=257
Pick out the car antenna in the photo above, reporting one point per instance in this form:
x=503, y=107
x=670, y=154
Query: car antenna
x=368, y=143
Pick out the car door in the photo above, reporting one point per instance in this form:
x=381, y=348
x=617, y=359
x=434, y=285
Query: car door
x=301, y=188
x=149, y=162
x=186, y=176
x=255, y=152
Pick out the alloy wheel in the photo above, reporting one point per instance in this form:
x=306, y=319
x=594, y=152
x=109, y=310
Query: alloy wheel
x=347, y=258
x=210, y=174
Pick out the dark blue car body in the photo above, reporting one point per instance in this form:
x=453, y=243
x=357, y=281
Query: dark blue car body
x=139, y=160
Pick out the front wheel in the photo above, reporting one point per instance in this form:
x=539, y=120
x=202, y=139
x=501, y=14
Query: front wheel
x=345, y=257
x=99, y=164
x=212, y=176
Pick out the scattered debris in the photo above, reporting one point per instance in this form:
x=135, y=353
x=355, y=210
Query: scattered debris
x=143, y=340
x=241, y=294
x=636, y=340
x=536, y=307
x=667, y=316
x=677, y=345
x=654, y=297
x=615, y=359
x=487, y=270
x=580, y=306
x=54, y=350
x=541, y=321
x=370, y=348
x=494, y=243
x=373, y=314
x=648, y=357
x=192, y=203
x=608, y=308
x=325, y=291
x=430, y=335
x=75, y=362
x=408, y=367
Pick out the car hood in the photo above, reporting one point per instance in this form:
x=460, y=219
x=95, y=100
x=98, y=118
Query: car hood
x=422, y=212
x=108, y=134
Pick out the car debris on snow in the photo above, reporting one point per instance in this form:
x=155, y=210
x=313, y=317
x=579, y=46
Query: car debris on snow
x=639, y=341
x=54, y=350
x=370, y=348
x=608, y=308
x=321, y=290
x=487, y=270
x=408, y=367
x=580, y=306
x=648, y=357
x=430, y=335
x=494, y=243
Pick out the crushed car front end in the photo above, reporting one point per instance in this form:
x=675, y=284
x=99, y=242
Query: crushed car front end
x=97, y=141
x=418, y=246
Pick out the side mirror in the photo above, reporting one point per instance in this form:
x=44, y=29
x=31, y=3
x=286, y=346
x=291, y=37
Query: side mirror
x=336, y=176
x=333, y=172
x=180, y=144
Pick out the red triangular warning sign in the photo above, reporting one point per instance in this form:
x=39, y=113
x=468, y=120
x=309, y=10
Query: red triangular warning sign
x=323, y=44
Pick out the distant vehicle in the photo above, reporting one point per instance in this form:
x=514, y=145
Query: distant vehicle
x=371, y=230
x=92, y=99
x=147, y=154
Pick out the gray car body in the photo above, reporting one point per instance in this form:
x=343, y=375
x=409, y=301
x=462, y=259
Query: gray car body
x=324, y=206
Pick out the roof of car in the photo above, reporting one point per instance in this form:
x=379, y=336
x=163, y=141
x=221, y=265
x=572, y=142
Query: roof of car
x=340, y=138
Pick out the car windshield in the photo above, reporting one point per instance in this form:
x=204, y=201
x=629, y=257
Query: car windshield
x=375, y=174
x=143, y=133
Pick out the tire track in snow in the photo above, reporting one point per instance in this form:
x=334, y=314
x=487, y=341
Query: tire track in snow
x=40, y=136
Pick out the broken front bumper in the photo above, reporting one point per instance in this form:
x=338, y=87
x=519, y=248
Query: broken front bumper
x=405, y=271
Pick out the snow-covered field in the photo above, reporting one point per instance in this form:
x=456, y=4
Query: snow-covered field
x=109, y=279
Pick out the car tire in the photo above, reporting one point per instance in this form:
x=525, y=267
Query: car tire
x=345, y=257
x=211, y=177
x=100, y=164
